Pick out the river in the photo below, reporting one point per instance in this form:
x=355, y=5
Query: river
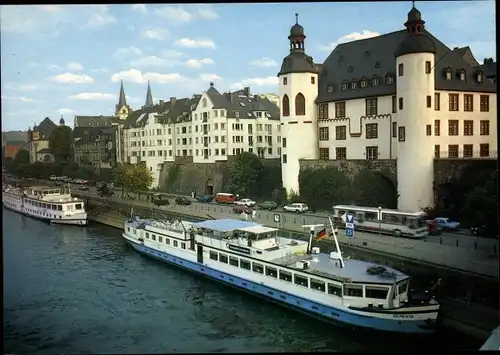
x=83, y=290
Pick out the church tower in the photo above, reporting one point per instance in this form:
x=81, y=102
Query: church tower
x=298, y=89
x=122, y=109
x=415, y=61
x=149, y=97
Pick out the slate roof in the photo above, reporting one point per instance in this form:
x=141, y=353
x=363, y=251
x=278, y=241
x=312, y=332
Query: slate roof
x=79, y=132
x=374, y=58
x=466, y=54
x=132, y=119
x=45, y=127
x=180, y=111
x=15, y=136
x=490, y=68
x=95, y=121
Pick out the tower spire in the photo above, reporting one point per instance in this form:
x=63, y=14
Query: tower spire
x=297, y=18
x=149, y=96
x=122, y=101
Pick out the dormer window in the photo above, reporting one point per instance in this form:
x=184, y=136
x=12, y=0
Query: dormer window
x=329, y=88
x=389, y=79
x=350, y=70
x=447, y=74
x=344, y=87
x=480, y=77
x=461, y=74
x=354, y=85
x=377, y=65
x=364, y=83
x=375, y=81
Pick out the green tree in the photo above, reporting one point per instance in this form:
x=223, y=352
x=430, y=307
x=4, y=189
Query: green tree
x=322, y=188
x=61, y=143
x=135, y=178
x=104, y=190
x=22, y=157
x=373, y=190
x=8, y=163
x=245, y=174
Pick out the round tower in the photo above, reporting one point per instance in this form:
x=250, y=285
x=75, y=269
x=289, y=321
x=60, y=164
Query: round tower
x=298, y=89
x=415, y=60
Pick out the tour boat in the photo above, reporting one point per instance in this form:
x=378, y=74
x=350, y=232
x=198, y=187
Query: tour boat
x=291, y=272
x=51, y=204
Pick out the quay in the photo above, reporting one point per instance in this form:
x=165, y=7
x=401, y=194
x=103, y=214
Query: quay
x=462, y=315
x=493, y=342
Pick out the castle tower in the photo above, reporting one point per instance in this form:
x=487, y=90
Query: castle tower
x=149, y=97
x=415, y=60
x=61, y=121
x=122, y=109
x=298, y=89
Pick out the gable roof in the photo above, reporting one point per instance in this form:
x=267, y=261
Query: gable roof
x=466, y=54
x=95, y=121
x=374, y=57
x=14, y=136
x=45, y=127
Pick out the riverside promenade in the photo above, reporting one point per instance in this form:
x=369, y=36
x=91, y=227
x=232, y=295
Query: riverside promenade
x=473, y=259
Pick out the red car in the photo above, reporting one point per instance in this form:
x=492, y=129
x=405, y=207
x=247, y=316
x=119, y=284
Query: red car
x=241, y=209
x=433, y=228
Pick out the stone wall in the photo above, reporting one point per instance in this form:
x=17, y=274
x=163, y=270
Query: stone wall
x=451, y=170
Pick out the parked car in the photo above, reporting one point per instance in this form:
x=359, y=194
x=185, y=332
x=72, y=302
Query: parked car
x=84, y=188
x=160, y=200
x=183, y=201
x=205, y=198
x=268, y=205
x=242, y=209
x=296, y=207
x=245, y=202
x=446, y=223
x=223, y=197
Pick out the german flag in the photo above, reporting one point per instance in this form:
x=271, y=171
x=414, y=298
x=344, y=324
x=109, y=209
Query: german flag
x=322, y=234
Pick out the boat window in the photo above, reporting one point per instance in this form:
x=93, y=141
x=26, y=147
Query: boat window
x=285, y=276
x=300, y=280
x=244, y=264
x=135, y=231
x=78, y=206
x=183, y=245
x=59, y=207
x=233, y=261
x=167, y=241
x=376, y=292
x=54, y=207
x=213, y=255
x=128, y=229
x=271, y=271
x=160, y=239
x=318, y=285
x=402, y=287
x=176, y=243
x=334, y=289
x=256, y=267
x=147, y=235
x=353, y=290
x=223, y=258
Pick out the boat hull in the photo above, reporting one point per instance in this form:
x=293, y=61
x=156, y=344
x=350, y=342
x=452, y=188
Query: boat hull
x=73, y=220
x=329, y=314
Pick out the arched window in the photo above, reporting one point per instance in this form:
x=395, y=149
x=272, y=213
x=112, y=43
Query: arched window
x=204, y=102
x=286, y=106
x=300, y=105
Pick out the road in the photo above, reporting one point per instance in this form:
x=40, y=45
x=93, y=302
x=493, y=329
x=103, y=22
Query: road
x=465, y=257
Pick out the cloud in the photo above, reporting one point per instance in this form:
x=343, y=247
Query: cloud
x=354, y=36
x=75, y=66
x=268, y=81
x=198, y=63
x=264, y=62
x=100, y=18
x=191, y=43
x=92, y=96
x=170, y=53
x=99, y=70
x=156, y=33
x=21, y=87
x=20, y=98
x=150, y=61
x=65, y=111
x=68, y=78
x=140, y=8
x=54, y=67
x=210, y=77
x=128, y=51
x=137, y=77
x=184, y=14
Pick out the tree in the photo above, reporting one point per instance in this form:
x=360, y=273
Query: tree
x=22, y=157
x=61, y=143
x=245, y=174
x=104, y=190
x=324, y=187
x=135, y=178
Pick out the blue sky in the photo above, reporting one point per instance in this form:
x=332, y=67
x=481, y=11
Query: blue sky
x=69, y=59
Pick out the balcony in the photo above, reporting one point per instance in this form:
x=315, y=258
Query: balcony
x=205, y=144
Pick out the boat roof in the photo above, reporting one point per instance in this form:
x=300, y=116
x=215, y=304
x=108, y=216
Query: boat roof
x=354, y=270
x=258, y=229
x=225, y=225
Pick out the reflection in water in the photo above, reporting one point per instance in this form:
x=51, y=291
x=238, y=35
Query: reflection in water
x=82, y=290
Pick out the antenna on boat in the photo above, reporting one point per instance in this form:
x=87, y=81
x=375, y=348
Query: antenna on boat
x=334, y=233
x=312, y=228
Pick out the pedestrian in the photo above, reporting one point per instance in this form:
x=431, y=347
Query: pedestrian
x=254, y=215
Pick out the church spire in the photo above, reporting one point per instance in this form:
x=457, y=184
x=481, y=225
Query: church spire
x=149, y=97
x=122, y=101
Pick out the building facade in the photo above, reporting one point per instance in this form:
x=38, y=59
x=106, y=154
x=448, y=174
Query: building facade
x=403, y=95
x=38, y=141
x=205, y=128
x=95, y=146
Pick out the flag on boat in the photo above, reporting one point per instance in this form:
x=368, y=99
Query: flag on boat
x=322, y=234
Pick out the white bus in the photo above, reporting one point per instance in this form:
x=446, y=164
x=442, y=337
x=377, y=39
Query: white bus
x=384, y=221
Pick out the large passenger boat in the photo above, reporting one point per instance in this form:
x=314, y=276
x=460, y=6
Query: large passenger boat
x=47, y=203
x=254, y=258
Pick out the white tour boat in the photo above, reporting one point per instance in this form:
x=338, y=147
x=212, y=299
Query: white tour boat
x=47, y=203
x=256, y=259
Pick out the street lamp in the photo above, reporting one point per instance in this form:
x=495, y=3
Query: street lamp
x=379, y=219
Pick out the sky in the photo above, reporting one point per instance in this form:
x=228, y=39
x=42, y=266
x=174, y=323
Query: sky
x=69, y=59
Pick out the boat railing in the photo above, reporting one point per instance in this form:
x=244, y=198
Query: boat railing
x=174, y=226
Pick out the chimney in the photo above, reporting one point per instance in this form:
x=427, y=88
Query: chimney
x=230, y=97
x=247, y=91
x=173, y=100
x=162, y=102
x=455, y=48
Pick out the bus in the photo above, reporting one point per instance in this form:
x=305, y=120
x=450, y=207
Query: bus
x=384, y=221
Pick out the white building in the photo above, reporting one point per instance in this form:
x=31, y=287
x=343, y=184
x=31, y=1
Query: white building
x=403, y=95
x=205, y=128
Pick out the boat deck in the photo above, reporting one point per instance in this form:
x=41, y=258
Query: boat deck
x=354, y=270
